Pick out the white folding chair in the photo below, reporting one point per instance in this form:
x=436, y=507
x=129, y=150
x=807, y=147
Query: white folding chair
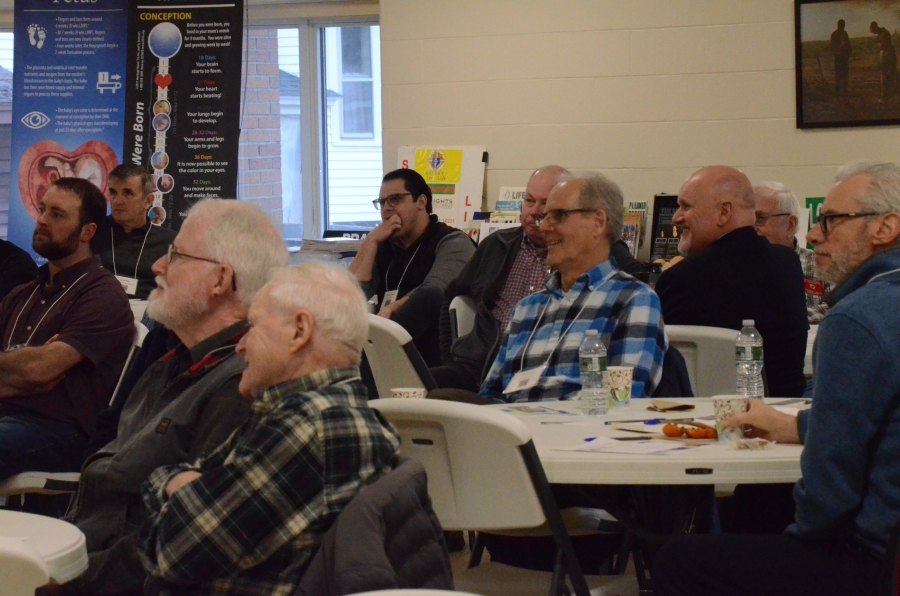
x=140, y=333
x=709, y=355
x=393, y=358
x=137, y=308
x=483, y=474
x=49, y=483
x=22, y=568
x=462, y=316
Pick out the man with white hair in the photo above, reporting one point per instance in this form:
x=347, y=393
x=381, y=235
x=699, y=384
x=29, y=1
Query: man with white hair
x=538, y=358
x=848, y=499
x=777, y=217
x=247, y=518
x=188, y=402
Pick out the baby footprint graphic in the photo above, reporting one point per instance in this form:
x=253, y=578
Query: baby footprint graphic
x=42, y=35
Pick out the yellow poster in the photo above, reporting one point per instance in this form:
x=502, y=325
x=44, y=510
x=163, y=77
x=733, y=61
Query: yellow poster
x=439, y=166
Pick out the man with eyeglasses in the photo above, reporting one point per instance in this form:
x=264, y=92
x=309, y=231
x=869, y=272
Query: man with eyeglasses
x=848, y=499
x=188, y=402
x=407, y=261
x=730, y=273
x=777, y=217
x=65, y=336
x=538, y=358
x=127, y=242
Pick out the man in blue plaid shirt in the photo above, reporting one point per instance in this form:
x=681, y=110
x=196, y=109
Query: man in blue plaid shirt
x=582, y=220
x=247, y=519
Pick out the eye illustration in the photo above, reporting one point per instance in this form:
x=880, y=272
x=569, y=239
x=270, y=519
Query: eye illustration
x=35, y=120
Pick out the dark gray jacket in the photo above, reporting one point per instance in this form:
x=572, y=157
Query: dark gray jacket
x=388, y=537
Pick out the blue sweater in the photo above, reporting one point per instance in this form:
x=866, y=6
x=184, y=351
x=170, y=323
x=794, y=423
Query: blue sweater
x=850, y=489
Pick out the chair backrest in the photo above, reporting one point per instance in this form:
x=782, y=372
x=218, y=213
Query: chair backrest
x=474, y=457
x=394, y=360
x=140, y=333
x=462, y=316
x=22, y=569
x=137, y=308
x=709, y=355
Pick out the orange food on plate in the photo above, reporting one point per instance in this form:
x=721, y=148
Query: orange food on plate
x=672, y=430
x=696, y=433
x=711, y=433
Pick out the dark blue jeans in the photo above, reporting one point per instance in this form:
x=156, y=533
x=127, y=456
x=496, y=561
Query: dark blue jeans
x=34, y=443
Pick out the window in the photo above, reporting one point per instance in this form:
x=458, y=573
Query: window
x=357, y=103
x=6, y=74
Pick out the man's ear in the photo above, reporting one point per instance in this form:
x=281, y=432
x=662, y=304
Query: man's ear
x=88, y=231
x=226, y=280
x=304, y=327
x=792, y=224
x=888, y=230
x=601, y=221
x=422, y=202
x=724, y=211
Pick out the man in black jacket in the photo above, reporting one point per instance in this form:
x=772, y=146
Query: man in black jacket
x=17, y=266
x=508, y=265
x=730, y=274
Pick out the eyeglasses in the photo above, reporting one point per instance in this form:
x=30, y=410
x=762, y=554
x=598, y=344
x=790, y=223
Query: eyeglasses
x=171, y=253
x=392, y=200
x=557, y=216
x=763, y=220
x=826, y=219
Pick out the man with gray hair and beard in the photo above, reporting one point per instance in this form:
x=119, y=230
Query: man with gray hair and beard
x=248, y=518
x=188, y=402
x=777, y=218
x=848, y=499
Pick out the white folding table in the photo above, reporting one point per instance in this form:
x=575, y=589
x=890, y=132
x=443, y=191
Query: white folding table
x=59, y=543
x=712, y=463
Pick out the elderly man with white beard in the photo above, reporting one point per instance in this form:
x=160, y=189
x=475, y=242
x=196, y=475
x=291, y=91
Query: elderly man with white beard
x=188, y=402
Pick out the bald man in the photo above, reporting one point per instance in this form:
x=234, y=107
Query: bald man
x=730, y=273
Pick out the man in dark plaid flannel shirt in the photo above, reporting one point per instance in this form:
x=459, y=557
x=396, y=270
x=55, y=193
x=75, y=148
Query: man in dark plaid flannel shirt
x=248, y=518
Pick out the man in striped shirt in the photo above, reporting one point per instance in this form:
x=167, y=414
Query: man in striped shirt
x=582, y=220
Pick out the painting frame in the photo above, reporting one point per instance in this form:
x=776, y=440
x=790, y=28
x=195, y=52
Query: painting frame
x=847, y=78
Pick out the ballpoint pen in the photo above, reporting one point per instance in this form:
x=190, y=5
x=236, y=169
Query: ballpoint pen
x=650, y=421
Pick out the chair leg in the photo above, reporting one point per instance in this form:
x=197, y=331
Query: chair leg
x=624, y=553
x=558, y=585
x=477, y=550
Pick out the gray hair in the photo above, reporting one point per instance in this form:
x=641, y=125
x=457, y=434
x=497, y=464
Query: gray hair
x=240, y=235
x=883, y=193
x=785, y=200
x=599, y=192
x=333, y=297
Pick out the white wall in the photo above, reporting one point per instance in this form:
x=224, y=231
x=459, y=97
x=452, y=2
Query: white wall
x=645, y=91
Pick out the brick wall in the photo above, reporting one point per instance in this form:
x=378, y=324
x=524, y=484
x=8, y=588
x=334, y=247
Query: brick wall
x=259, y=162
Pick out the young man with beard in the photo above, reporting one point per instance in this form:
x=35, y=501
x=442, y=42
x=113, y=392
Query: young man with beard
x=188, y=402
x=65, y=337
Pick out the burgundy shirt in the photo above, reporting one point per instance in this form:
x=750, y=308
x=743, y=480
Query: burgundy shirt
x=526, y=276
x=89, y=310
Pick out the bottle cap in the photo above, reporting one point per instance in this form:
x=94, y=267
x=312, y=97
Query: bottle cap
x=591, y=332
x=748, y=323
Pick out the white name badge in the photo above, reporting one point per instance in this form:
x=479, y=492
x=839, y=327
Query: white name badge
x=129, y=284
x=389, y=298
x=525, y=379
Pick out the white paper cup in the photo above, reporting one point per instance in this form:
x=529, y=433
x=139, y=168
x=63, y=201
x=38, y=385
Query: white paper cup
x=620, y=378
x=408, y=392
x=725, y=406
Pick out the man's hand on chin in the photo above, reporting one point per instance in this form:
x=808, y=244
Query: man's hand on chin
x=180, y=480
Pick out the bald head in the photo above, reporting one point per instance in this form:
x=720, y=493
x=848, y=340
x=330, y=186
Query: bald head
x=712, y=202
x=539, y=185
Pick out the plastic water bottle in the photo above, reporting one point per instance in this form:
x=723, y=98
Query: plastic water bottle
x=594, y=381
x=748, y=360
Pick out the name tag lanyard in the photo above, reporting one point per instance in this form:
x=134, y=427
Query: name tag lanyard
x=47, y=312
x=112, y=243
x=526, y=379
x=391, y=296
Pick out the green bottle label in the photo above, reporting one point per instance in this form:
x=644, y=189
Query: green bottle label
x=592, y=364
x=748, y=353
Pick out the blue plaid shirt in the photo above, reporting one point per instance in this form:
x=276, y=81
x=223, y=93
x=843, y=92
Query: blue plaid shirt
x=624, y=311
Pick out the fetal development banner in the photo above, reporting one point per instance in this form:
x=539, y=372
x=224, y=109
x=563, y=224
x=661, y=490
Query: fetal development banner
x=183, y=101
x=68, y=100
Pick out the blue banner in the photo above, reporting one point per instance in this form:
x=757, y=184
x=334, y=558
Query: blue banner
x=68, y=100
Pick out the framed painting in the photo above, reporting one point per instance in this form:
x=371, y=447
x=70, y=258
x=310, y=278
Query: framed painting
x=846, y=62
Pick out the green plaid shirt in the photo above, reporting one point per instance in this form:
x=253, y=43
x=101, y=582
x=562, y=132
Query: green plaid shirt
x=252, y=521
